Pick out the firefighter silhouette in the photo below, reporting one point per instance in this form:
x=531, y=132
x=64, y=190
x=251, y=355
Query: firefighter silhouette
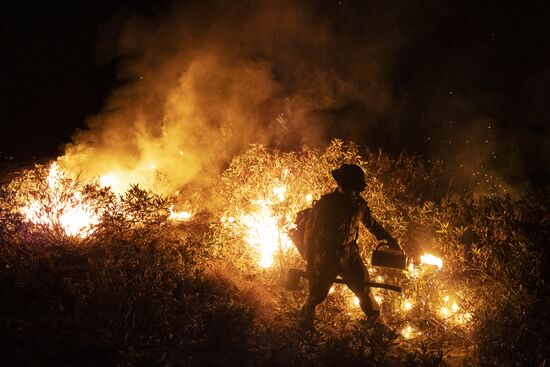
x=330, y=243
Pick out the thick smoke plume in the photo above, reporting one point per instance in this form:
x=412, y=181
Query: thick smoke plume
x=200, y=82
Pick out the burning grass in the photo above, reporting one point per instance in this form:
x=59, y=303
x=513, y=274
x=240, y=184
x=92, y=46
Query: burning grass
x=147, y=284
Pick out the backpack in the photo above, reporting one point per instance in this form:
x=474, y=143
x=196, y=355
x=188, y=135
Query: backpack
x=297, y=234
x=306, y=219
x=311, y=220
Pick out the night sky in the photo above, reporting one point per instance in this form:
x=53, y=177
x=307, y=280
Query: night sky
x=460, y=74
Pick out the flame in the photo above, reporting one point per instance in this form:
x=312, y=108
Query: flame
x=108, y=180
x=409, y=332
x=76, y=217
x=263, y=230
x=430, y=259
x=179, y=216
x=279, y=192
x=413, y=271
x=455, y=307
x=407, y=304
x=444, y=312
x=464, y=318
x=450, y=310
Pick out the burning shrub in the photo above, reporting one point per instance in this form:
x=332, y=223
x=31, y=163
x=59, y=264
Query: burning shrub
x=138, y=287
x=442, y=306
x=46, y=205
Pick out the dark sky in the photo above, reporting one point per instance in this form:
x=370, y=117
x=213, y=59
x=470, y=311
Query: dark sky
x=466, y=72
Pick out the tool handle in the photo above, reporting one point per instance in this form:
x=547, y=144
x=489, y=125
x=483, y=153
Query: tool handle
x=390, y=287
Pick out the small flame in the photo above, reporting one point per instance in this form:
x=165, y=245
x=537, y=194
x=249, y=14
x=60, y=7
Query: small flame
x=414, y=272
x=430, y=259
x=407, y=305
x=444, y=312
x=464, y=318
x=409, y=332
x=107, y=180
x=309, y=198
x=179, y=216
x=279, y=192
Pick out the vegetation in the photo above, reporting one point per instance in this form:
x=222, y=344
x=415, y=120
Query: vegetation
x=142, y=290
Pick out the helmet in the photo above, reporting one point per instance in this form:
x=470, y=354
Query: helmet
x=350, y=177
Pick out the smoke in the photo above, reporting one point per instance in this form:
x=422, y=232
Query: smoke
x=199, y=82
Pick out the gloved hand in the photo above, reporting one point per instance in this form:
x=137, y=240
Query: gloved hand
x=394, y=245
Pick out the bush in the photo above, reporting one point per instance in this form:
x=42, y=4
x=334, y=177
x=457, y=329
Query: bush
x=142, y=290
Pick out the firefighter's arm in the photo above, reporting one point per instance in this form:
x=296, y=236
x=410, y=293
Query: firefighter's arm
x=378, y=230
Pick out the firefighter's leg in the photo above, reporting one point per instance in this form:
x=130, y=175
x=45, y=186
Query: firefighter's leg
x=356, y=275
x=318, y=291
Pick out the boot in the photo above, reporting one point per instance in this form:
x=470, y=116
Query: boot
x=306, y=317
x=371, y=308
